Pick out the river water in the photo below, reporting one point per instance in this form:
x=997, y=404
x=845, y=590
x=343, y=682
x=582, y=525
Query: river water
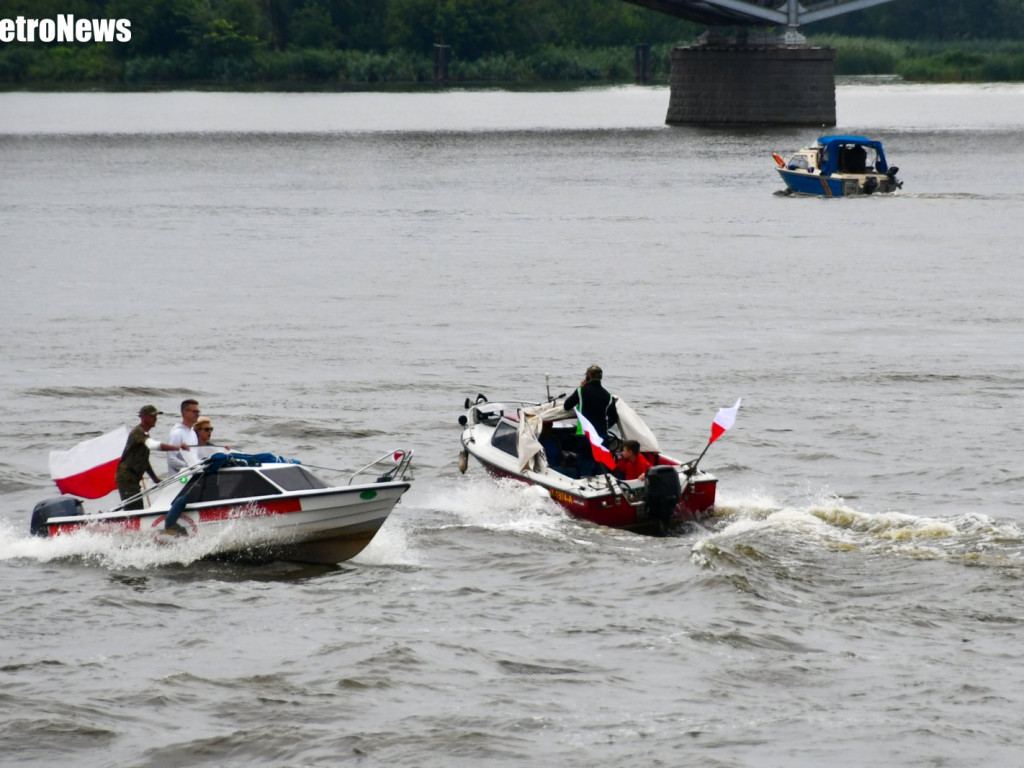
x=332, y=274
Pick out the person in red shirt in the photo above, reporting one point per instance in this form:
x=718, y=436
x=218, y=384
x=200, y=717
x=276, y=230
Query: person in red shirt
x=633, y=464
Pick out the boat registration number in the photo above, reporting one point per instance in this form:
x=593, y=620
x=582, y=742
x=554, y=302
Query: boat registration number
x=564, y=498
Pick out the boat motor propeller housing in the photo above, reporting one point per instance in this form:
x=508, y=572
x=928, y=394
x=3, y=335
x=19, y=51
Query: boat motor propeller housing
x=663, y=492
x=60, y=506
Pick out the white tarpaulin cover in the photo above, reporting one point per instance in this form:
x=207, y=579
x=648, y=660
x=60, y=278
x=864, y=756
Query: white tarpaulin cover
x=632, y=427
x=531, y=421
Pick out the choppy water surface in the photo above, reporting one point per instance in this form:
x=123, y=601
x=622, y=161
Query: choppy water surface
x=331, y=275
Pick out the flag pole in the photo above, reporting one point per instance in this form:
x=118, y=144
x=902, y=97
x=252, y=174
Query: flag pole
x=693, y=464
x=724, y=420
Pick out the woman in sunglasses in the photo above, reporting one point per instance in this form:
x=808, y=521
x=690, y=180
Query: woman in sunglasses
x=204, y=430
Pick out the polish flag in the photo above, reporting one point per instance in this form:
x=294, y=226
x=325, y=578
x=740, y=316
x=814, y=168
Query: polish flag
x=725, y=418
x=87, y=470
x=601, y=453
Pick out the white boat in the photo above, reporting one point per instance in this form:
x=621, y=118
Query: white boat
x=534, y=443
x=257, y=506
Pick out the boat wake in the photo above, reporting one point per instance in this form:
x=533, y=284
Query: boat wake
x=141, y=552
x=974, y=196
x=503, y=505
x=113, y=552
x=830, y=523
x=391, y=546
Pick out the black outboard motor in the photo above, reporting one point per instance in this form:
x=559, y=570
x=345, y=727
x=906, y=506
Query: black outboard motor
x=663, y=492
x=61, y=506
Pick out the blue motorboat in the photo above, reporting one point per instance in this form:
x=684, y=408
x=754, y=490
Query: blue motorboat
x=839, y=166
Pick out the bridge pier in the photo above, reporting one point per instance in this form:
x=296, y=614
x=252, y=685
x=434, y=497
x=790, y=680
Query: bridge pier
x=740, y=84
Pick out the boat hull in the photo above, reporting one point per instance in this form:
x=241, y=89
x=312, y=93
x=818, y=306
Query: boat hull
x=613, y=510
x=837, y=185
x=320, y=526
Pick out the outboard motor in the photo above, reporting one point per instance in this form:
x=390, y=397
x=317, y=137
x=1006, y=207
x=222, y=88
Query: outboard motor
x=61, y=506
x=663, y=492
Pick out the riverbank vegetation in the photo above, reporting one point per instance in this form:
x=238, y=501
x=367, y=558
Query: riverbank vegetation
x=406, y=43
x=928, y=61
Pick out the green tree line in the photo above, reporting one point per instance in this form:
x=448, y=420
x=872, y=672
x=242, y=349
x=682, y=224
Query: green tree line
x=353, y=42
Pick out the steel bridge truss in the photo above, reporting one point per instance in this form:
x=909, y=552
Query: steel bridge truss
x=765, y=13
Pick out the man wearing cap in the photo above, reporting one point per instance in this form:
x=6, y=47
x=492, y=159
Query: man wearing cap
x=183, y=434
x=135, y=458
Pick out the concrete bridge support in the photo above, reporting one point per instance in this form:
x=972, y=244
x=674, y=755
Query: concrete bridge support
x=751, y=85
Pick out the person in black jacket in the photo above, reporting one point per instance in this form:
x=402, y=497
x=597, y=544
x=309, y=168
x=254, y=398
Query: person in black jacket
x=594, y=401
x=598, y=407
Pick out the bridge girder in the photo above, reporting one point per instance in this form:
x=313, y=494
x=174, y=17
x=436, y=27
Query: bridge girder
x=766, y=13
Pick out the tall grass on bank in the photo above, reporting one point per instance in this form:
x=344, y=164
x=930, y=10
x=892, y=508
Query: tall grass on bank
x=330, y=68
x=862, y=56
x=91, y=66
x=58, y=64
x=965, y=66
x=979, y=61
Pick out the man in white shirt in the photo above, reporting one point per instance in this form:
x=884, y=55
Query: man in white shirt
x=183, y=434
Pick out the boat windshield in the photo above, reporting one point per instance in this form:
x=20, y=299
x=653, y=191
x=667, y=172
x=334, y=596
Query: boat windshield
x=506, y=438
x=235, y=484
x=295, y=478
x=798, y=162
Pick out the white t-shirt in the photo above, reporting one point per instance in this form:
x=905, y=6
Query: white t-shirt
x=180, y=434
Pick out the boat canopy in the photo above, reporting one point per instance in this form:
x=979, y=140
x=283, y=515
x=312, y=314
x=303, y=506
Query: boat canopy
x=531, y=453
x=847, y=154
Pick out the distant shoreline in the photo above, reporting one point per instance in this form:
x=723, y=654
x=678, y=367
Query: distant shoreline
x=96, y=68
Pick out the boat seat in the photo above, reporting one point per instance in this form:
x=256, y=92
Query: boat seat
x=567, y=465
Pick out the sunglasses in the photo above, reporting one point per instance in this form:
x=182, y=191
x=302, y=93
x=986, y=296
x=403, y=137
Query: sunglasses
x=206, y=429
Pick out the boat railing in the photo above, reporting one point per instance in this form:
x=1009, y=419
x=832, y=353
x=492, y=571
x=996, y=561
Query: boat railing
x=400, y=462
x=147, y=492
x=486, y=412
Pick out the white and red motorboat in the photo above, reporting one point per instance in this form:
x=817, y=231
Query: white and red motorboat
x=254, y=506
x=535, y=443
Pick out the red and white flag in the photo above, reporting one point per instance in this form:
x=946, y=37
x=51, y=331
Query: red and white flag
x=88, y=469
x=724, y=419
x=601, y=453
